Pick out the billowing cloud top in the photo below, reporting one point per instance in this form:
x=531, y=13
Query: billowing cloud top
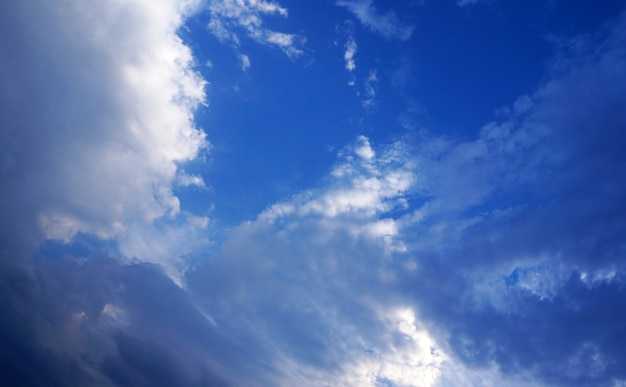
x=115, y=92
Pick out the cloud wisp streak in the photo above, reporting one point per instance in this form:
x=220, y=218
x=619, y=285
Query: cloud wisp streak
x=230, y=16
x=387, y=24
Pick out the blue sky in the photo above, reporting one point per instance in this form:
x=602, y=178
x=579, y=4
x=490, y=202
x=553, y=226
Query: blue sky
x=328, y=193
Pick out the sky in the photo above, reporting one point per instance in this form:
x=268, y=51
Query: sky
x=313, y=193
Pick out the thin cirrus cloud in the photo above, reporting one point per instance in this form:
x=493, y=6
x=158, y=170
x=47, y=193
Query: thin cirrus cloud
x=228, y=18
x=387, y=24
x=370, y=89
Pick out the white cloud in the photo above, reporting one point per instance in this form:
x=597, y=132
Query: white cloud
x=230, y=16
x=365, y=185
x=385, y=274
x=184, y=179
x=348, y=56
x=314, y=283
x=168, y=244
x=351, y=48
x=327, y=245
x=245, y=62
x=99, y=117
x=370, y=90
x=386, y=24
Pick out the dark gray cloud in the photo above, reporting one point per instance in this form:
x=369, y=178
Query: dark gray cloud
x=100, y=322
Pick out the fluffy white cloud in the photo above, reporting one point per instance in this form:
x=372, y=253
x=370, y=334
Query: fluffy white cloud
x=97, y=109
x=386, y=24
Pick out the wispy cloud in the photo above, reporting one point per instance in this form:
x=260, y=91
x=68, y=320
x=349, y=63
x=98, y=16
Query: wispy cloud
x=386, y=24
x=344, y=226
x=230, y=17
x=370, y=87
x=351, y=48
x=245, y=62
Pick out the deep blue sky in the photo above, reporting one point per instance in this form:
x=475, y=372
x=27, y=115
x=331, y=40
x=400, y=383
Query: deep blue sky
x=319, y=193
x=460, y=66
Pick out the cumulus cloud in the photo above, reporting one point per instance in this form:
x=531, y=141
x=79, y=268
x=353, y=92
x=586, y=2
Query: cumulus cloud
x=231, y=16
x=97, y=107
x=386, y=24
x=239, y=328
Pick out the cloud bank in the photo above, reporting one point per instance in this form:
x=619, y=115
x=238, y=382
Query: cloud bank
x=98, y=104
